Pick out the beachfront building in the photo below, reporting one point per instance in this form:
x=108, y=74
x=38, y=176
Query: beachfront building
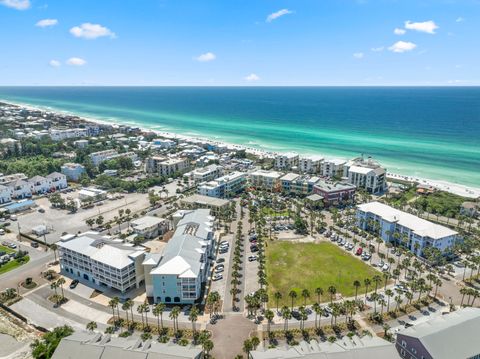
x=64, y=134
x=334, y=193
x=150, y=227
x=205, y=174
x=286, y=161
x=310, y=164
x=178, y=274
x=101, y=156
x=224, y=187
x=268, y=180
x=287, y=181
x=163, y=143
x=101, y=261
x=5, y=194
x=217, y=206
x=366, y=174
x=332, y=168
x=167, y=167
x=73, y=171
x=470, y=209
x=452, y=335
x=393, y=225
x=57, y=181
x=39, y=185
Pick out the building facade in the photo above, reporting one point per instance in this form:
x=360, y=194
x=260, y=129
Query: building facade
x=286, y=161
x=366, y=174
x=334, y=193
x=268, y=180
x=73, y=171
x=411, y=231
x=150, y=227
x=167, y=166
x=224, y=187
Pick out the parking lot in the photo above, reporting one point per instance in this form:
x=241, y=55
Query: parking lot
x=60, y=221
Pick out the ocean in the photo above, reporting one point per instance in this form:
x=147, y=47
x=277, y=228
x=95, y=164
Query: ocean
x=429, y=132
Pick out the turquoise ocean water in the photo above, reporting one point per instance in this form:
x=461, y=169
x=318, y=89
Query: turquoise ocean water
x=428, y=132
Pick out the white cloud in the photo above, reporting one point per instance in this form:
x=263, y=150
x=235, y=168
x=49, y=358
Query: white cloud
x=278, y=14
x=54, y=63
x=460, y=19
x=378, y=49
x=252, y=77
x=402, y=46
x=399, y=31
x=47, y=22
x=76, y=61
x=208, y=56
x=358, y=55
x=16, y=4
x=91, y=31
x=427, y=26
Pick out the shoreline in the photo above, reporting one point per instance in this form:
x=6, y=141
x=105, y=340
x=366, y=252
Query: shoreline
x=455, y=188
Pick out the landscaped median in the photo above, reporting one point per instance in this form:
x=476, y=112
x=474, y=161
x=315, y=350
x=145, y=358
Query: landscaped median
x=299, y=266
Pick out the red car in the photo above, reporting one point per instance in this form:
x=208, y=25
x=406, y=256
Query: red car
x=359, y=251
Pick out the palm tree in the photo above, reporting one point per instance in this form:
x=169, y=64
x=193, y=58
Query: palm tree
x=319, y=293
x=207, y=346
x=305, y=295
x=54, y=248
x=126, y=307
x=318, y=311
x=286, y=315
x=277, y=296
x=247, y=347
x=332, y=290
x=293, y=295
x=269, y=315
x=193, y=316
x=398, y=301
x=146, y=309
x=357, y=285
x=255, y=342
x=140, y=310
x=376, y=279
x=389, y=294
x=158, y=310
x=174, y=316
x=54, y=286
x=91, y=326
x=367, y=282
x=61, y=282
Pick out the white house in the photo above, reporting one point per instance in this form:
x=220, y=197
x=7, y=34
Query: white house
x=20, y=189
x=411, y=231
x=57, y=181
x=5, y=194
x=207, y=173
x=163, y=143
x=91, y=194
x=39, y=185
x=226, y=186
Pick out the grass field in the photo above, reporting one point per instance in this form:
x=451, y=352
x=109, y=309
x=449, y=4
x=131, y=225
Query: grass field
x=301, y=266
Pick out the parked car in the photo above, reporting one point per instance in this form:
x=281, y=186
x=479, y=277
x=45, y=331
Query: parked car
x=386, y=267
x=2, y=231
x=74, y=284
x=254, y=249
x=221, y=260
x=12, y=245
x=252, y=258
x=217, y=277
x=359, y=251
x=34, y=245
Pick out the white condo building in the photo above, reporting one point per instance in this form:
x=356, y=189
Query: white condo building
x=5, y=194
x=332, y=167
x=286, y=160
x=310, y=164
x=207, y=173
x=263, y=179
x=226, y=186
x=167, y=166
x=103, y=262
x=101, y=156
x=366, y=174
x=419, y=232
x=73, y=171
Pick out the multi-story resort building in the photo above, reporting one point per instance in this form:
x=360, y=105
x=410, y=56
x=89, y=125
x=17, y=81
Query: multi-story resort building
x=268, y=180
x=64, y=134
x=207, y=173
x=411, y=231
x=57, y=181
x=366, y=174
x=178, y=274
x=298, y=184
x=167, y=166
x=73, y=171
x=334, y=193
x=310, y=164
x=39, y=184
x=453, y=335
x=101, y=156
x=286, y=161
x=149, y=226
x=216, y=205
x=224, y=187
x=332, y=168
x=101, y=261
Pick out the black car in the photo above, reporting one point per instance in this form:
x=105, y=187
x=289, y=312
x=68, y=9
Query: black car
x=34, y=245
x=74, y=284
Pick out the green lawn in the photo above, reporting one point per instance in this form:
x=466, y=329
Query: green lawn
x=12, y=264
x=272, y=213
x=301, y=266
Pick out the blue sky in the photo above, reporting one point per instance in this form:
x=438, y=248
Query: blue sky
x=240, y=42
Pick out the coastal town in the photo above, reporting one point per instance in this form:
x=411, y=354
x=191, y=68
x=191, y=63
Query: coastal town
x=119, y=240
